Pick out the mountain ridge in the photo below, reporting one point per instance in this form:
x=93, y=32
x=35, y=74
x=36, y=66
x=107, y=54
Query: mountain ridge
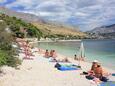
x=103, y=32
x=104, y=29
x=45, y=26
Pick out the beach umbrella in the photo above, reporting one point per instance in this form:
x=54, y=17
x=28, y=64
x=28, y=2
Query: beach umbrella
x=81, y=53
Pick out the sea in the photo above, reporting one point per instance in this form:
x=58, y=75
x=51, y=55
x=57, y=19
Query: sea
x=101, y=50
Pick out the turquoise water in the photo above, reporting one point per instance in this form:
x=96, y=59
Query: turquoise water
x=102, y=50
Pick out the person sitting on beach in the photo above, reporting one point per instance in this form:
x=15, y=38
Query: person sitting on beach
x=98, y=71
x=46, y=54
x=53, y=54
x=91, y=72
x=94, y=65
x=75, y=57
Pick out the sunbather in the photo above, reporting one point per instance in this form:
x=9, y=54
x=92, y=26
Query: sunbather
x=94, y=65
x=98, y=71
x=53, y=54
x=46, y=54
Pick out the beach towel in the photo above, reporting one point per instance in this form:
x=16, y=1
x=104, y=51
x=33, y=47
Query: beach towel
x=109, y=83
x=65, y=68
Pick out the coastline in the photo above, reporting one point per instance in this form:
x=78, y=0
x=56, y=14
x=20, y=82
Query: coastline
x=42, y=72
x=59, y=41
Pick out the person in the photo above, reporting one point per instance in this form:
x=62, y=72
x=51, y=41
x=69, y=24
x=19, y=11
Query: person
x=90, y=74
x=75, y=57
x=98, y=71
x=46, y=54
x=94, y=65
x=53, y=54
x=65, y=60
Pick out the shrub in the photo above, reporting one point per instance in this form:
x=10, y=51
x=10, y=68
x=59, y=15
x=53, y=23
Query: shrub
x=7, y=52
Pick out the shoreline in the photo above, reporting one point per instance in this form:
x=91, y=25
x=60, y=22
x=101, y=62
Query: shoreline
x=45, y=41
x=76, y=61
x=41, y=72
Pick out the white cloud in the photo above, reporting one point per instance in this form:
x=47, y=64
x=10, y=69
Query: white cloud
x=89, y=13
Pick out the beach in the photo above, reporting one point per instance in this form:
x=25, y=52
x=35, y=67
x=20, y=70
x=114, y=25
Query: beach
x=41, y=72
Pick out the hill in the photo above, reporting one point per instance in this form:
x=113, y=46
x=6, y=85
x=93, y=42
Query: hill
x=20, y=28
x=104, y=31
x=47, y=28
x=59, y=30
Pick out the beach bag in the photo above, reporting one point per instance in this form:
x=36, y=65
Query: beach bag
x=89, y=77
x=57, y=65
x=104, y=79
x=85, y=73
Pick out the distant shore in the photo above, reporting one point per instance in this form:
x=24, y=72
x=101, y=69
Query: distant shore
x=60, y=41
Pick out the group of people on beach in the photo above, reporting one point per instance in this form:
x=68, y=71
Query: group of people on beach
x=25, y=47
x=96, y=72
x=52, y=54
x=79, y=58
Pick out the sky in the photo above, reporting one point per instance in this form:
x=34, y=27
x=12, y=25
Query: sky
x=86, y=14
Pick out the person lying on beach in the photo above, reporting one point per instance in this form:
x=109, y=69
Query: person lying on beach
x=65, y=60
x=46, y=54
x=79, y=58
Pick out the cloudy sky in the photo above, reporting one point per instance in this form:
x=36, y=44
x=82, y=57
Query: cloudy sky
x=87, y=14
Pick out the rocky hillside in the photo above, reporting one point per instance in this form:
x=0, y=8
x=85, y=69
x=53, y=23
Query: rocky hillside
x=53, y=29
x=48, y=29
x=103, y=32
x=104, y=29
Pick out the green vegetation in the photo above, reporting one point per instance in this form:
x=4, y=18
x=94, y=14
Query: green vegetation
x=7, y=52
x=11, y=27
x=20, y=28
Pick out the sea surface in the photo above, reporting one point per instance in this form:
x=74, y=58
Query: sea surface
x=102, y=50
